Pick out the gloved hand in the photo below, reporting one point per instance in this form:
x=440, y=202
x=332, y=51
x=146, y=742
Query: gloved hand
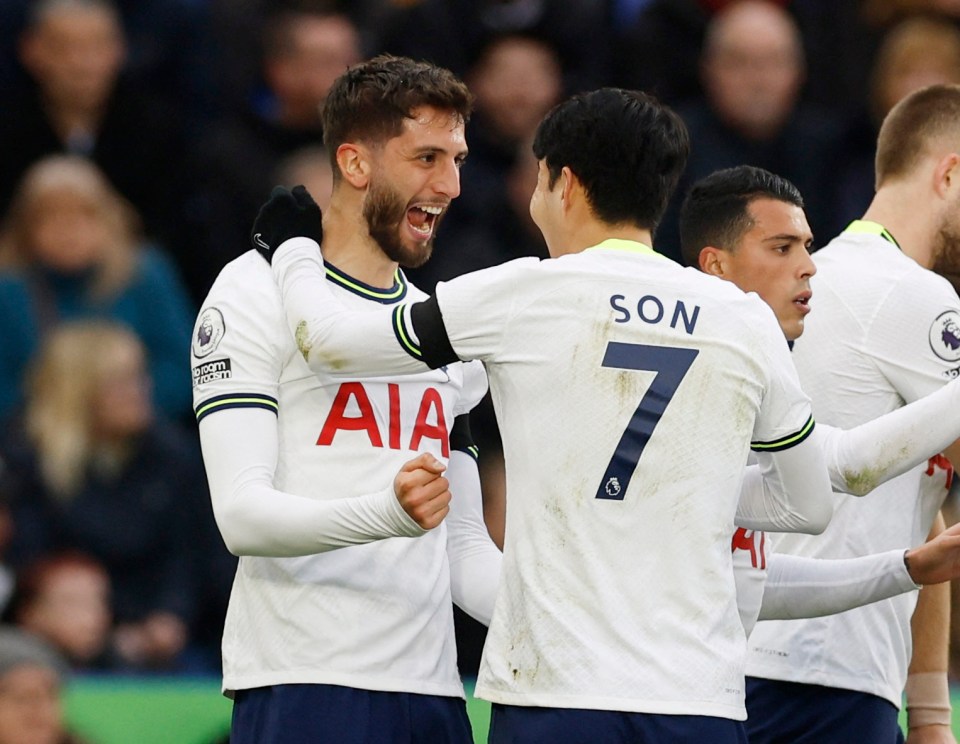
x=286, y=214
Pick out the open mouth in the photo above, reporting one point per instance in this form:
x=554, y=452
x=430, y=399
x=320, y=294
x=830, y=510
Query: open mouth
x=802, y=301
x=423, y=218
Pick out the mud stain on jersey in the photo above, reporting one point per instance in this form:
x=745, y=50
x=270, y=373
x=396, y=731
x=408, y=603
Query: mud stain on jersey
x=861, y=482
x=305, y=346
x=303, y=340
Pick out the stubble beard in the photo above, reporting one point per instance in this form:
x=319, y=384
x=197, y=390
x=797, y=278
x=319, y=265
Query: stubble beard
x=946, y=251
x=385, y=213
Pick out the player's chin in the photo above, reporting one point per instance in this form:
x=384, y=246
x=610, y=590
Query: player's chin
x=416, y=254
x=794, y=329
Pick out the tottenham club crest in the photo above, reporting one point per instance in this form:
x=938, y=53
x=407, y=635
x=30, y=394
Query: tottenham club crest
x=210, y=329
x=945, y=336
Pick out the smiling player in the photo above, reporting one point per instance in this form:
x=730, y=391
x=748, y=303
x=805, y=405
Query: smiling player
x=340, y=625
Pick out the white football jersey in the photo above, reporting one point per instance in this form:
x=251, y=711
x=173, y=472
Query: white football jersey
x=628, y=392
x=376, y=616
x=883, y=331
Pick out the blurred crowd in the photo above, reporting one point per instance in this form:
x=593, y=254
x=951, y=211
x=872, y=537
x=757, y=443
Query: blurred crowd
x=140, y=137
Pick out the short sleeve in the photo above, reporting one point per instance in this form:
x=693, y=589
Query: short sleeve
x=915, y=337
x=235, y=355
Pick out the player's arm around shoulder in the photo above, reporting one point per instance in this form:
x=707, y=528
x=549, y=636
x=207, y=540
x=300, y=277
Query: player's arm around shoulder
x=333, y=339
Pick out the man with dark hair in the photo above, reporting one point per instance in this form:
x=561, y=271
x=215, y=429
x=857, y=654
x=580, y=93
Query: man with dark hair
x=879, y=339
x=629, y=391
x=340, y=625
x=747, y=226
x=716, y=216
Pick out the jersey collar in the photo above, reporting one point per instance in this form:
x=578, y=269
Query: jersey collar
x=867, y=227
x=384, y=296
x=626, y=246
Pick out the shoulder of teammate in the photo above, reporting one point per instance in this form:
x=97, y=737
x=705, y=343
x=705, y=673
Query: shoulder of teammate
x=917, y=333
x=487, y=289
x=466, y=316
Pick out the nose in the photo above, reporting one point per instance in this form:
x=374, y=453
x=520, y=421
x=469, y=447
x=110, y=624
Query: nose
x=447, y=181
x=807, y=267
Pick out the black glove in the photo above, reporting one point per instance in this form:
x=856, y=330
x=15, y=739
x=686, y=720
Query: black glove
x=286, y=214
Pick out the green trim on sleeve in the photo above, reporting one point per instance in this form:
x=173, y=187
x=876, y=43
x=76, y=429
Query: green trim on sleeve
x=786, y=442
x=236, y=400
x=403, y=335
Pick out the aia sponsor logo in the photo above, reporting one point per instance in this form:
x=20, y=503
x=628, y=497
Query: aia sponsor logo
x=352, y=410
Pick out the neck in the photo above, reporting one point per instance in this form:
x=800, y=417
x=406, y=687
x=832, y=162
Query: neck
x=593, y=232
x=910, y=219
x=348, y=246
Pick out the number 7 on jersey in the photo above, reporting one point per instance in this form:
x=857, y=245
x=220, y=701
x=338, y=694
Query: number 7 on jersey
x=670, y=364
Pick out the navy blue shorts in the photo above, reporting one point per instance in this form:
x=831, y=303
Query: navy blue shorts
x=793, y=713
x=514, y=724
x=321, y=714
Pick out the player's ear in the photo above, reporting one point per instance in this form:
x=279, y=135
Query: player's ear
x=712, y=261
x=946, y=176
x=354, y=163
x=568, y=184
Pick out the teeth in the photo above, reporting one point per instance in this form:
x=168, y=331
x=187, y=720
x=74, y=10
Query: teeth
x=431, y=209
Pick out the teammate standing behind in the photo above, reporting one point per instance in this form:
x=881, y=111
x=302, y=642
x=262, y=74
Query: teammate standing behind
x=747, y=226
x=328, y=638
x=629, y=391
x=886, y=331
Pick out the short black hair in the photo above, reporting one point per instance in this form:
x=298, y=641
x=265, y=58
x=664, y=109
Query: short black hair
x=715, y=210
x=626, y=148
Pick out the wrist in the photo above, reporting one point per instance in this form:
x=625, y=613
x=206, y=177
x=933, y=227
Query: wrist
x=928, y=699
x=906, y=562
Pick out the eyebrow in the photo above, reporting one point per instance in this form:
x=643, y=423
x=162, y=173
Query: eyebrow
x=786, y=236
x=440, y=150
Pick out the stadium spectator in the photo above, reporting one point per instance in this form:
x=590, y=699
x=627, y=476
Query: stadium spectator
x=32, y=677
x=64, y=598
x=79, y=103
x=914, y=53
x=89, y=467
x=657, y=49
x=304, y=51
x=752, y=68
x=309, y=166
x=70, y=249
x=515, y=80
x=452, y=33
